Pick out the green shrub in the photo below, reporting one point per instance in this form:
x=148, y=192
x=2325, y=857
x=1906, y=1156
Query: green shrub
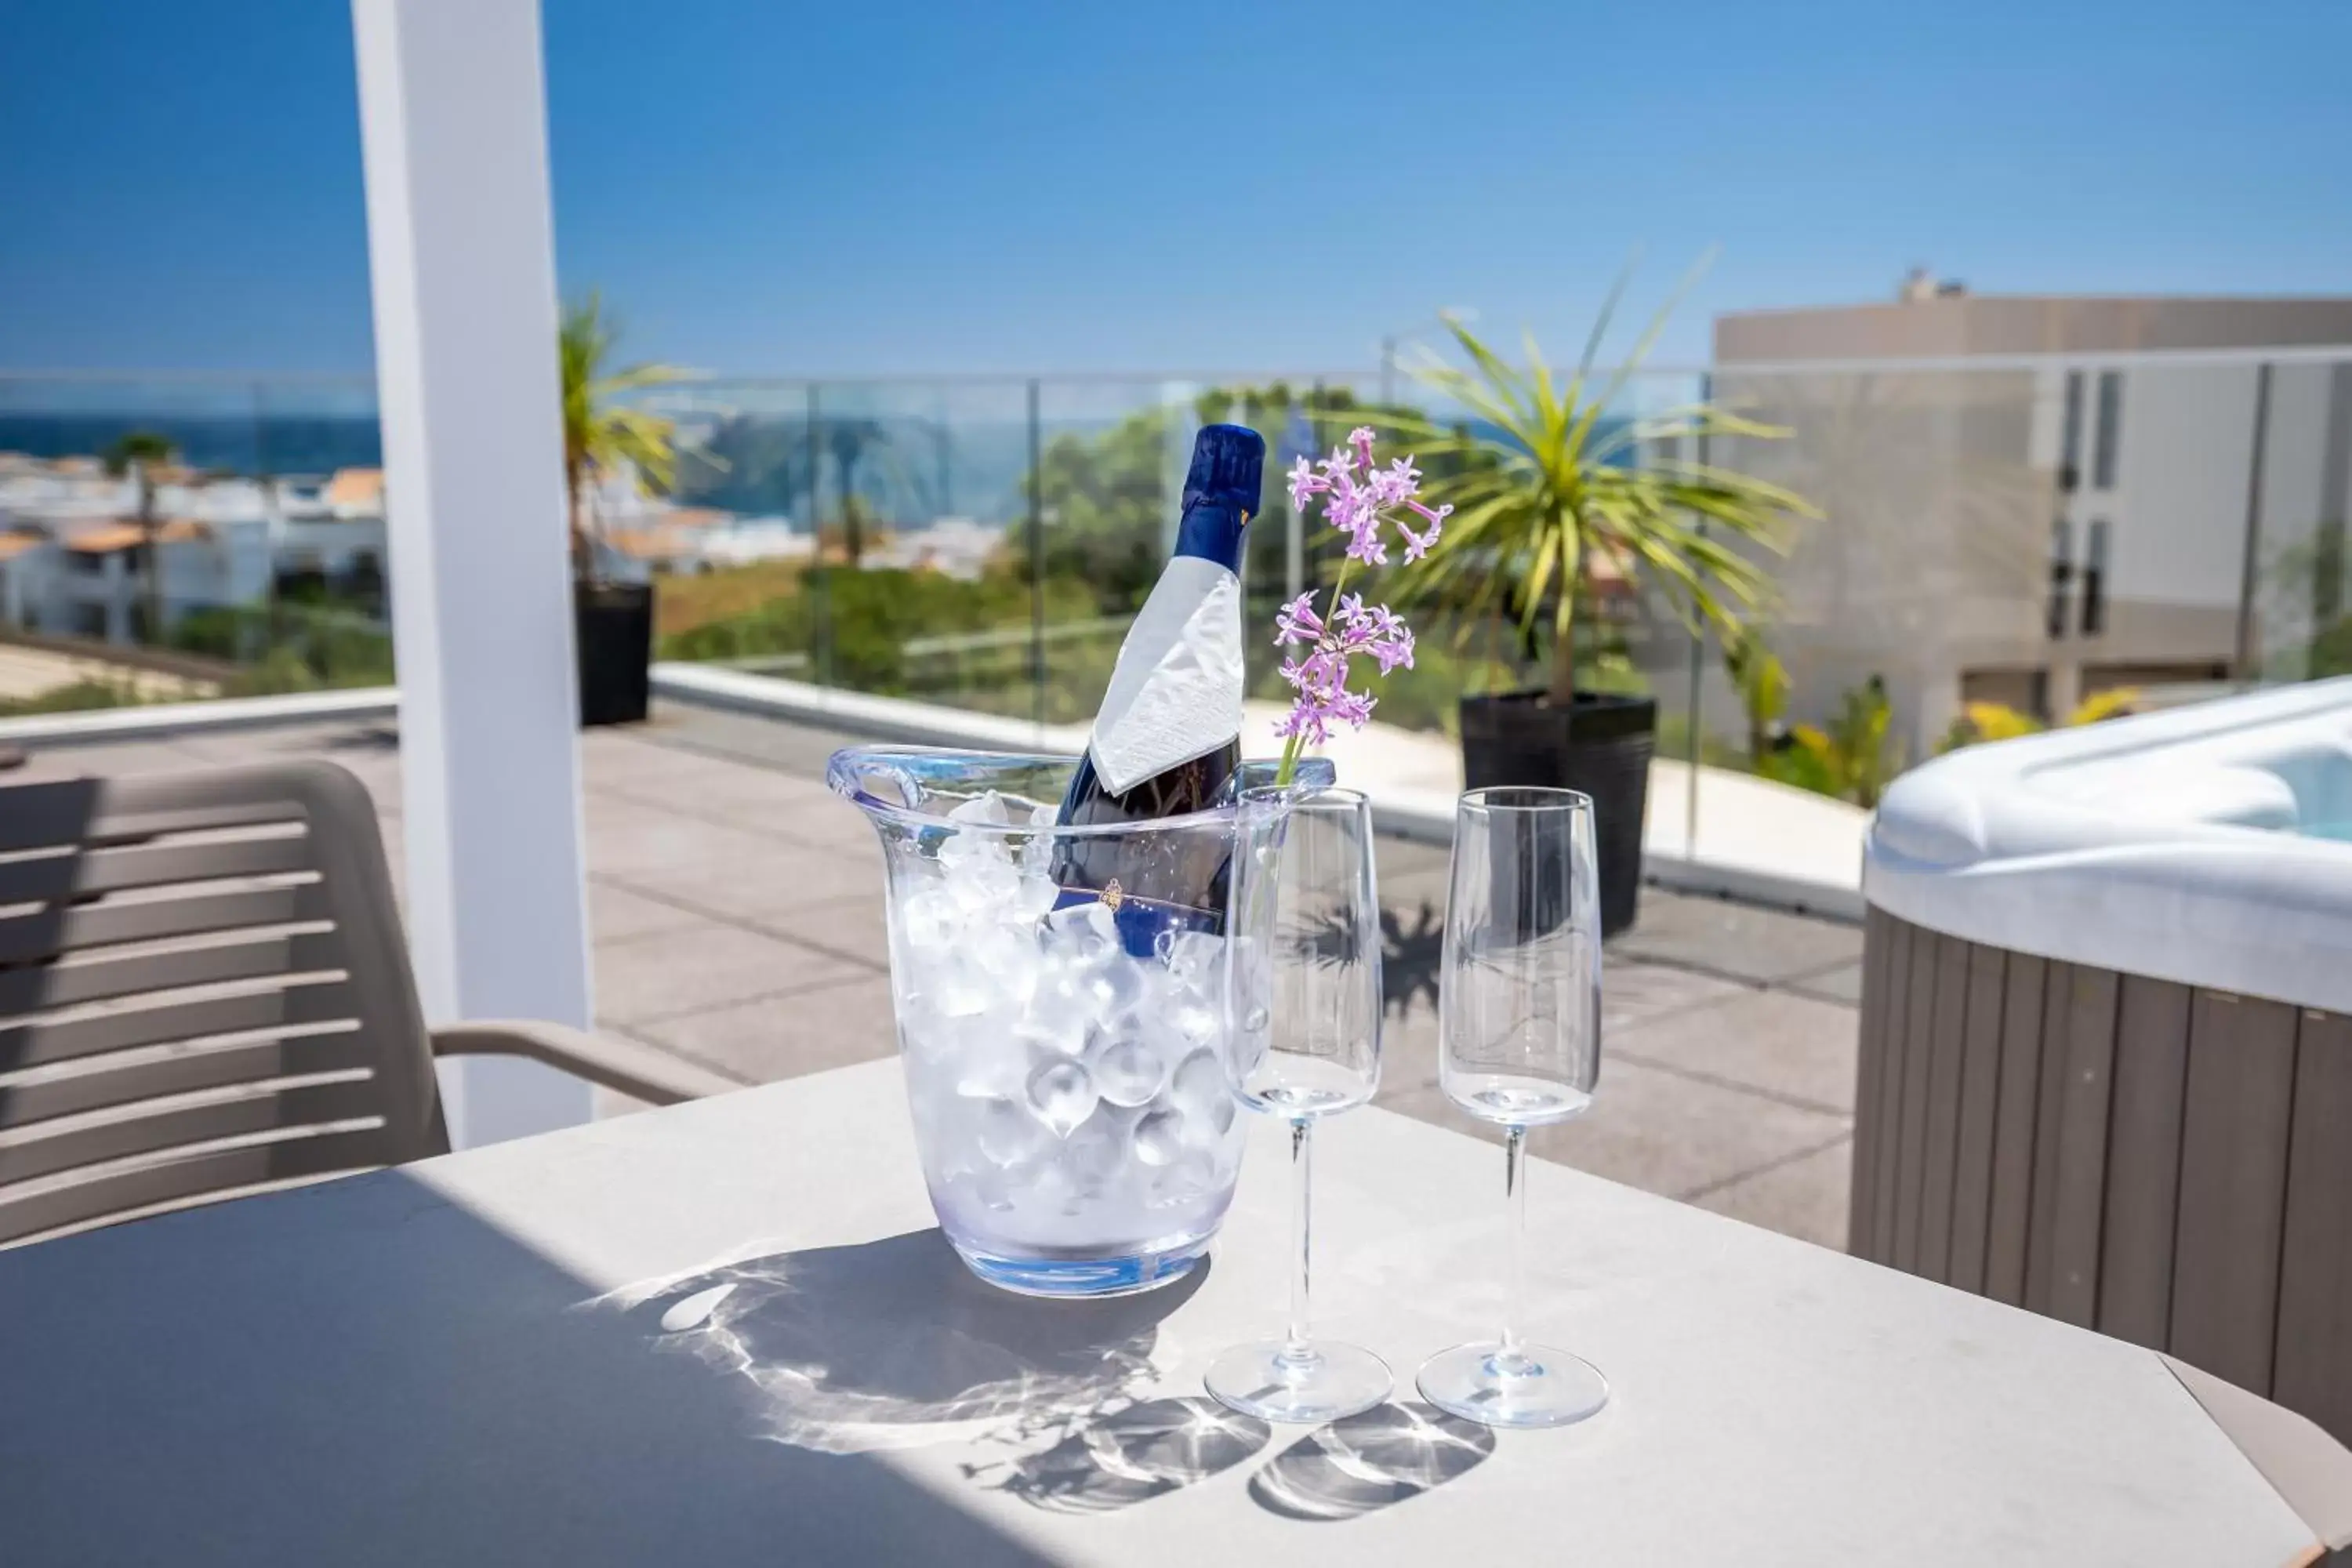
x=79, y=696
x=289, y=645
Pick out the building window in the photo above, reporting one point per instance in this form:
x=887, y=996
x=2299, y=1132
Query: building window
x=2111, y=433
x=2069, y=450
x=2062, y=574
x=2095, y=578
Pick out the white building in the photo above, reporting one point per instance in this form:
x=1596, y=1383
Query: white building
x=2033, y=499
x=72, y=552
x=953, y=546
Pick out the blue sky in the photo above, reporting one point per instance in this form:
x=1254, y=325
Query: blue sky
x=886, y=188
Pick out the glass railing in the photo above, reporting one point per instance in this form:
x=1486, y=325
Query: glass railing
x=167, y=537
x=2002, y=543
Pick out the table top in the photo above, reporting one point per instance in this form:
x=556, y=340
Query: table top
x=513, y=1355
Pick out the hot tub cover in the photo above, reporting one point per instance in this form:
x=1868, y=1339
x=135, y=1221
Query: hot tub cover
x=2210, y=844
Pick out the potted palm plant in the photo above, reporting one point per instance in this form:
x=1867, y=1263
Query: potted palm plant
x=604, y=436
x=1554, y=499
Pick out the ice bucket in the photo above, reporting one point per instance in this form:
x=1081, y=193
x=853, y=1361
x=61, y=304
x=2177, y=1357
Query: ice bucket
x=1061, y=1040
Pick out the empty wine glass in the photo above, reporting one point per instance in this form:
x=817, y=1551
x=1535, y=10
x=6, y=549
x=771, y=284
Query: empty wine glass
x=1519, y=1044
x=1303, y=978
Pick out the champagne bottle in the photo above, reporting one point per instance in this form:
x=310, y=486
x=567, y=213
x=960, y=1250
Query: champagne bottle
x=1167, y=738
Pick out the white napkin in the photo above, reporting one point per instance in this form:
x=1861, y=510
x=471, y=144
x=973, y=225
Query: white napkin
x=1176, y=693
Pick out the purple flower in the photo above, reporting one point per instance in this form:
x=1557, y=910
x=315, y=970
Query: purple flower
x=1303, y=484
x=1360, y=499
x=1394, y=650
x=1397, y=484
x=1297, y=621
x=1416, y=545
x=1363, y=530
x=1321, y=678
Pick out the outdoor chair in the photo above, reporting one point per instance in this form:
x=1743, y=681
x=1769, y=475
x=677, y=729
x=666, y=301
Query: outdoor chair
x=203, y=993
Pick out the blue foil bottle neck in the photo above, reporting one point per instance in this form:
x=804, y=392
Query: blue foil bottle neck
x=1221, y=491
x=1212, y=531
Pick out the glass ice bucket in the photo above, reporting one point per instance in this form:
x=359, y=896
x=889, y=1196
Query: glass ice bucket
x=1061, y=1033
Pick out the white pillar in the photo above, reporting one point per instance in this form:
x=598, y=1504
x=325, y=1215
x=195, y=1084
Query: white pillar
x=453, y=123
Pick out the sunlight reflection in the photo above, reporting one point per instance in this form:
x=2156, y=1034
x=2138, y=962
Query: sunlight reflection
x=1130, y=1457
x=892, y=1345
x=1386, y=1456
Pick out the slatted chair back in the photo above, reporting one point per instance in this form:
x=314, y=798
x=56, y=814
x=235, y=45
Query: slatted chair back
x=202, y=992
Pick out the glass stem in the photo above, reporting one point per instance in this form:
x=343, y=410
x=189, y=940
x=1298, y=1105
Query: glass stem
x=1302, y=1193
x=1515, y=1198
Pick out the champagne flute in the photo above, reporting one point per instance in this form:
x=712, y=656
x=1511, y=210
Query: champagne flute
x=1303, y=1042
x=1519, y=1044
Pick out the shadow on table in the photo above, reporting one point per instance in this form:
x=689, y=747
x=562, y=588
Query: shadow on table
x=1390, y=1454
x=1132, y=1456
x=893, y=1343
x=370, y=1373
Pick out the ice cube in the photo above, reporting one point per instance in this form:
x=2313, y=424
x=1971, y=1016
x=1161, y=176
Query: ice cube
x=1177, y=1028
x=973, y=841
x=1037, y=851
x=1050, y=1188
x=986, y=807
x=1062, y=1093
x=1190, y=1176
x=1098, y=990
x=1084, y=933
x=983, y=886
x=953, y=985
x=1126, y=1072
x=1160, y=1135
x=1195, y=962
x=1198, y=1088
x=984, y=1060
x=1008, y=955
x=1049, y=1026
x=930, y=918
x=1034, y=896
x=1115, y=992
x=994, y=1189
x=1095, y=1150
x=1006, y=1133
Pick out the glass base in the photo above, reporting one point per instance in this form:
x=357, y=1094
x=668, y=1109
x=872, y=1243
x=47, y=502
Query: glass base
x=1530, y=1386
x=1319, y=1381
x=1084, y=1276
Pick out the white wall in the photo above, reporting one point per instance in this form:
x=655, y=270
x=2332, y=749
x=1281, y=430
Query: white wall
x=2178, y=510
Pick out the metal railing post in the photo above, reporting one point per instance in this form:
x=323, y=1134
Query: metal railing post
x=2250, y=568
x=1036, y=565
x=821, y=632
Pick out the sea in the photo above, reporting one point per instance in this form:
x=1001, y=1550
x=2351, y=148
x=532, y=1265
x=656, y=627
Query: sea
x=241, y=444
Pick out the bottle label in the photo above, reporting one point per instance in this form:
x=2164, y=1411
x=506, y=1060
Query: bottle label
x=1176, y=693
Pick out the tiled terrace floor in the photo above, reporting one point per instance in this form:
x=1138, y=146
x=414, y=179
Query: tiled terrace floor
x=736, y=915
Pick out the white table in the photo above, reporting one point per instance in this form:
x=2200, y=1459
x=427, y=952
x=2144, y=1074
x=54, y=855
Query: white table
x=466, y=1362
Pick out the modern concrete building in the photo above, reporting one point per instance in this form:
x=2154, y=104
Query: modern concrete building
x=2033, y=499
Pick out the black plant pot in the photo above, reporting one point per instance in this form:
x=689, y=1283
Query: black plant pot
x=613, y=630
x=1600, y=745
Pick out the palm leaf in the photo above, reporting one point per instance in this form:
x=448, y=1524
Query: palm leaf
x=1540, y=496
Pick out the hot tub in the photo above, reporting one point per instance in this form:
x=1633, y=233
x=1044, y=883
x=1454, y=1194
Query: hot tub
x=2106, y=1034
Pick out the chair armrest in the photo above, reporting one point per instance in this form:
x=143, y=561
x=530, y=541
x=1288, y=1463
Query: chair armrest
x=634, y=1070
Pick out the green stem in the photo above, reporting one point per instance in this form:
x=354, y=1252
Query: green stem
x=1293, y=748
